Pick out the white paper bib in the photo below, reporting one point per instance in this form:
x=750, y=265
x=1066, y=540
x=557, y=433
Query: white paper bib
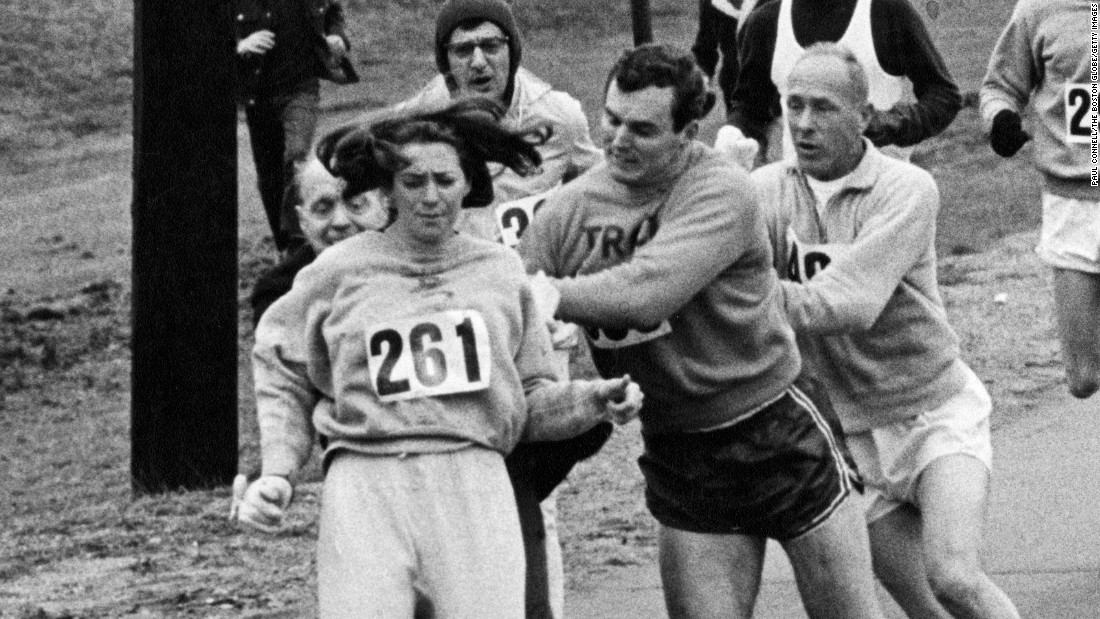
x=1080, y=115
x=427, y=356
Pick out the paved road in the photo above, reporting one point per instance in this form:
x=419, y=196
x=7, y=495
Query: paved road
x=1042, y=537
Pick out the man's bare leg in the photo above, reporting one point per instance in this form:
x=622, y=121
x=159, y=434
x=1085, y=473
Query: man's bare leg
x=899, y=565
x=832, y=567
x=709, y=576
x=1077, y=302
x=952, y=494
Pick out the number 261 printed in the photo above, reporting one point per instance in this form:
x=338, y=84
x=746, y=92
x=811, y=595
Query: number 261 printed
x=426, y=356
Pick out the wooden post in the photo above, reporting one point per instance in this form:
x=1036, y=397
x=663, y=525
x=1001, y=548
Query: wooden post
x=184, y=369
x=641, y=22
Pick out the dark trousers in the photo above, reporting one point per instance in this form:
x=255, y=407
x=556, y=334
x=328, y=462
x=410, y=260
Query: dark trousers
x=535, y=469
x=716, y=46
x=537, y=594
x=280, y=128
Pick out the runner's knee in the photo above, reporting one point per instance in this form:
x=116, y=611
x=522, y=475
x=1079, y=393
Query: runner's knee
x=954, y=579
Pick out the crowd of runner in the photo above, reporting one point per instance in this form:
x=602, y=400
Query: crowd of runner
x=767, y=307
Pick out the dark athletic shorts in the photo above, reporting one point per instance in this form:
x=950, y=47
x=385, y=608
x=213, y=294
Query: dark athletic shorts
x=777, y=474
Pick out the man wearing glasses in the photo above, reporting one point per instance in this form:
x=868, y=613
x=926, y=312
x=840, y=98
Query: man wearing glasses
x=478, y=50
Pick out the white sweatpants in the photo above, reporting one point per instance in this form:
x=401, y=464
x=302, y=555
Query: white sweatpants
x=418, y=531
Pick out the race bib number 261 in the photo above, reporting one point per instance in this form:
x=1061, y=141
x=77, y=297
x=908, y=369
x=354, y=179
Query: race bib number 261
x=426, y=356
x=1079, y=113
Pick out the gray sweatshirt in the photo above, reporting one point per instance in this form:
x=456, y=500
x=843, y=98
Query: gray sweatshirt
x=1043, y=56
x=859, y=287
x=407, y=351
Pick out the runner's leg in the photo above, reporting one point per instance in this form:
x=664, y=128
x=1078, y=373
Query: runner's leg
x=897, y=556
x=832, y=566
x=1077, y=301
x=951, y=494
x=708, y=575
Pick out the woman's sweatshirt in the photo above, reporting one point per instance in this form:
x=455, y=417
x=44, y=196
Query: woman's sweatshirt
x=408, y=352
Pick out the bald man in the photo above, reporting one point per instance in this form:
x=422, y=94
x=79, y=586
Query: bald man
x=913, y=93
x=853, y=234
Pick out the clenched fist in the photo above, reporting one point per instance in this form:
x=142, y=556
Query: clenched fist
x=620, y=397
x=262, y=504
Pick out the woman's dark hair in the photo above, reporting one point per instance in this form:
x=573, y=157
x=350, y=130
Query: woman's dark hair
x=368, y=156
x=664, y=66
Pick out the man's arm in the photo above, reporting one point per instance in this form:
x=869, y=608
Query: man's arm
x=705, y=48
x=907, y=49
x=754, y=103
x=696, y=240
x=850, y=294
x=559, y=409
x=1011, y=74
x=335, y=23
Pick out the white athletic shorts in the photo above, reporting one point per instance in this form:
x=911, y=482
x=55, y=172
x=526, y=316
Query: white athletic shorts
x=891, y=458
x=1070, y=236
x=403, y=534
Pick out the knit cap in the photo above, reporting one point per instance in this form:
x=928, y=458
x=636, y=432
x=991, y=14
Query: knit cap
x=498, y=12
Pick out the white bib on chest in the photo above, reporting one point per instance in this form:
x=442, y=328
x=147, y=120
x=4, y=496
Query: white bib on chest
x=805, y=260
x=438, y=354
x=1080, y=115
x=514, y=216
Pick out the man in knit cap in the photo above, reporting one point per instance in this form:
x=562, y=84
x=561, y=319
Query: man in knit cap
x=478, y=50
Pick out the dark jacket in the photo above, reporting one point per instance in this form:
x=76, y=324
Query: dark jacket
x=326, y=17
x=276, y=281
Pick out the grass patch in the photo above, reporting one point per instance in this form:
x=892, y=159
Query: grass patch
x=65, y=73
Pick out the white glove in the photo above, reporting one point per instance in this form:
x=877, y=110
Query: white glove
x=622, y=398
x=547, y=296
x=742, y=150
x=262, y=504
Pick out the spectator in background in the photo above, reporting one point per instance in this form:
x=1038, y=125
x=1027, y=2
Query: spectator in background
x=911, y=90
x=326, y=216
x=853, y=237
x=716, y=39
x=1043, y=56
x=283, y=47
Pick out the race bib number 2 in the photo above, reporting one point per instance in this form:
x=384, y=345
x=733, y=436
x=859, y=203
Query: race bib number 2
x=514, y=216
x=433, y=355
x=1079, y=113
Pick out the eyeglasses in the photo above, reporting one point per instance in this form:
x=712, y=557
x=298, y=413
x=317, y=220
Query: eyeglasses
x=325, y=208
x=489, y=46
